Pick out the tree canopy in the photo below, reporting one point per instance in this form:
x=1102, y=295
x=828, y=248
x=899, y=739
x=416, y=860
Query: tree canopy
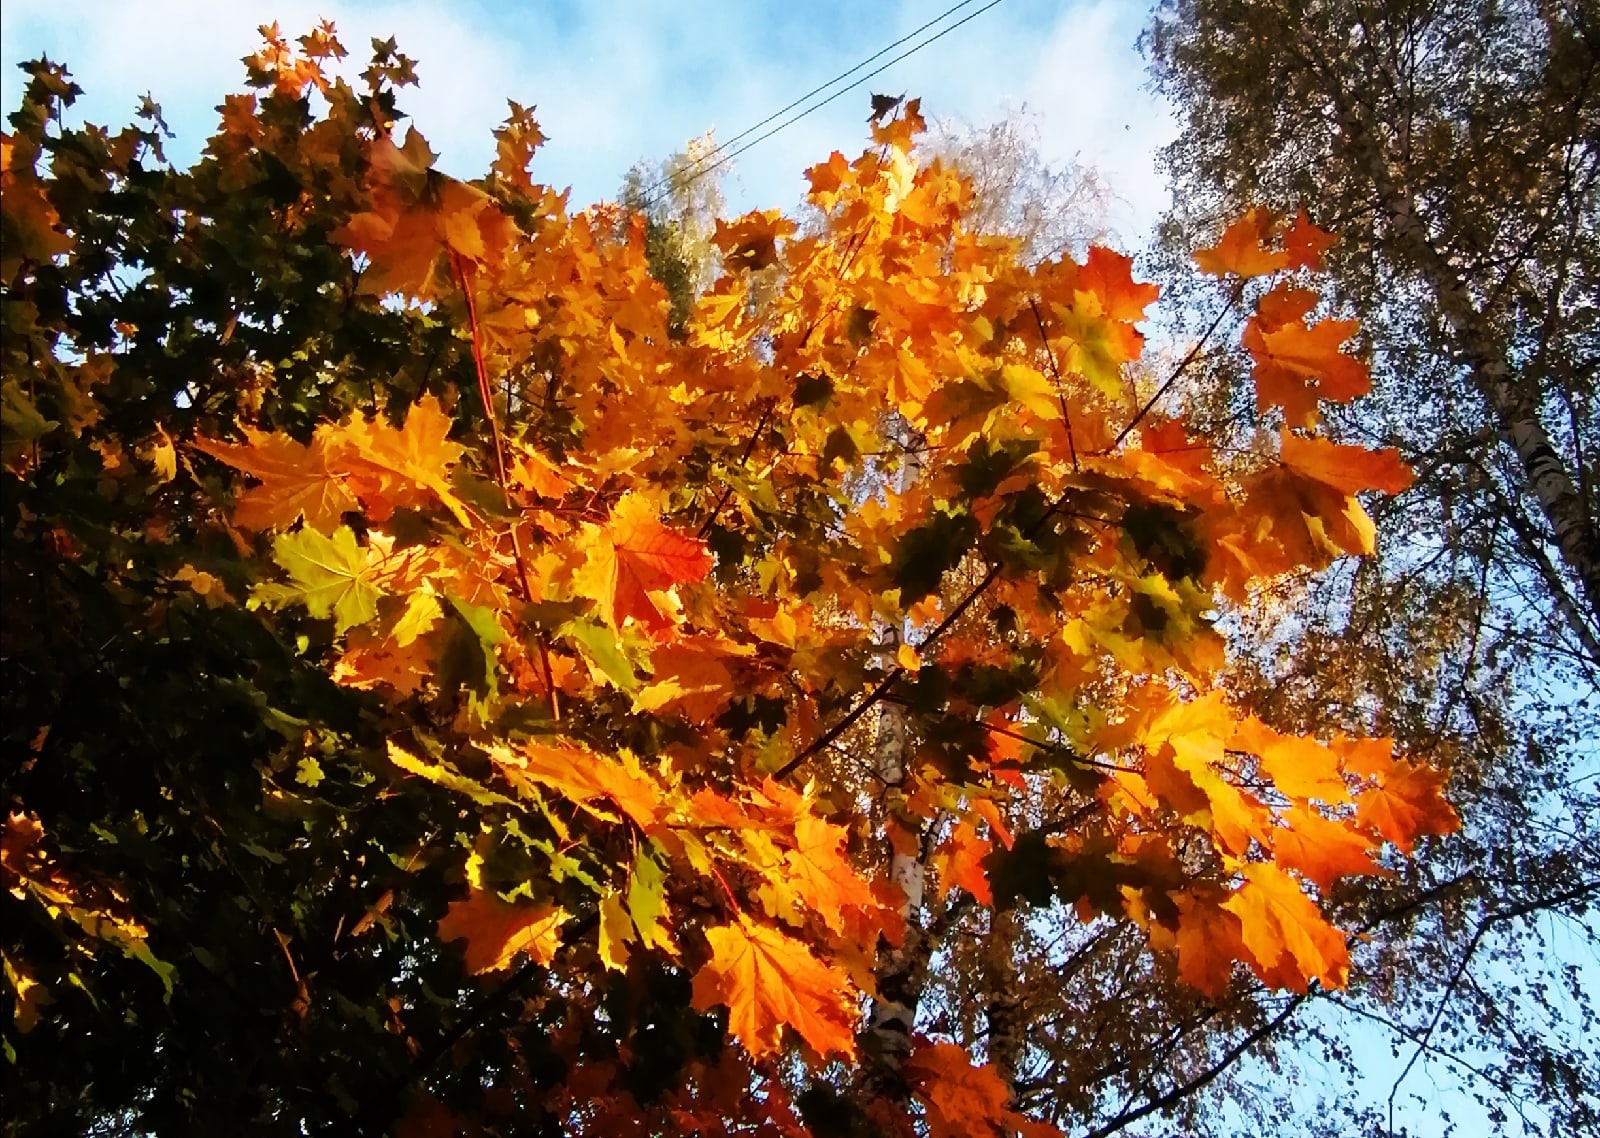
x=448, y=692
x=1453, y=146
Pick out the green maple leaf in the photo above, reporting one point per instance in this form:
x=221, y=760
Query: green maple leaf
x=331, y=576
x=647, y=902
x=1094, y=354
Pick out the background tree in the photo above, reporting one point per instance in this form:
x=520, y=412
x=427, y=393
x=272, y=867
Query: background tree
x=1453, y=146
x=1050, y=209
x=449, y=693
x=680, y=199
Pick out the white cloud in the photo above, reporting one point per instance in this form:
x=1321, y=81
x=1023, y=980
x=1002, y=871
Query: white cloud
x=1088, y=86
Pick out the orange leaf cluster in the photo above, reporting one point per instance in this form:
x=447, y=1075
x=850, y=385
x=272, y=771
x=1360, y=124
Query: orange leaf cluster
x=627, y=621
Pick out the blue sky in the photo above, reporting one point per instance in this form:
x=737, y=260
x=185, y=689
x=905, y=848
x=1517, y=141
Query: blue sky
x=615, y=82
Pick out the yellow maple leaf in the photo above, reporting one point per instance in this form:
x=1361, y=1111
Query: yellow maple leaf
x=583, y=776
x=392, y=467
x=331, y=576
x=616, y=930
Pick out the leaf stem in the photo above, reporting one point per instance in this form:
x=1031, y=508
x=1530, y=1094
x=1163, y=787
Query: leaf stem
x=486, y=395
x=1050, y=354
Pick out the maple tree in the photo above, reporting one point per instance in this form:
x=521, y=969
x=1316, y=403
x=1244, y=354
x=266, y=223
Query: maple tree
x=486, y=701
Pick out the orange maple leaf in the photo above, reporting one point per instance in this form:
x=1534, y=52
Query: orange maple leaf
x=827, y=178
x=820, y=875
x=1109, y=276
x=1286, y=934
x=417, y=215
x=691, y=676
x=1345, y=468
x=515, y=143
x=751, y=242
x=1296, y=365
x=1288, y=522
x=768, y=981
x=1241, y=250
x=1321, y=849
x=1407, y=802
x=962, y=857
x=716, y=811
x=405, y=467
x=1208, y=944
x=496, y=931
x=31, y=221
x=1169, y=441
x=963, y=1100
x=1284, y=304
x=370, y=661
x=583, y=776
x=634, y=555
x=295, y=480
x=533, y=471
x=1305, y=243
x=1186, y=771
x=1298, y=766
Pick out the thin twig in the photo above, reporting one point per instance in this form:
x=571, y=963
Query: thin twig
x=486, y=394
x=1580, y=893
x=1050, y=354
x=1183, y=366
x=1183, y=1090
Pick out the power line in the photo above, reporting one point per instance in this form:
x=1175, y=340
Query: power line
x=651, y=189
x=696, y=175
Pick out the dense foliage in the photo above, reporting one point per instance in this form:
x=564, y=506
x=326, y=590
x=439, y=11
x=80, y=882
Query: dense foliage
x=448, y=691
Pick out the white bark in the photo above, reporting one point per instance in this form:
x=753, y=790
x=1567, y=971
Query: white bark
x=1512, y=399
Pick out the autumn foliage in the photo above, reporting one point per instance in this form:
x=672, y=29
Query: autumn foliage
x=630, y=616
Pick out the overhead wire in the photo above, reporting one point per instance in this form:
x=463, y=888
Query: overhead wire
x=818, y=89
x=671, y=181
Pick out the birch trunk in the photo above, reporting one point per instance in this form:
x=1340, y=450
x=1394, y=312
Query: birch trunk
x=1003, y=999
x=1512, y=399
x=902, y=971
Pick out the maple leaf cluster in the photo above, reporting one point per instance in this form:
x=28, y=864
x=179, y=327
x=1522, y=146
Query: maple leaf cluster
x=641, y=600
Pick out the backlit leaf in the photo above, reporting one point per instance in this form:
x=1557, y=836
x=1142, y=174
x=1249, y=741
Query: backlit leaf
x=769, y=981
x=496, y=931
x=296, y=481
x=1242, y=252
x=1407, y=802
x=1286, y=934
x=331, y=576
